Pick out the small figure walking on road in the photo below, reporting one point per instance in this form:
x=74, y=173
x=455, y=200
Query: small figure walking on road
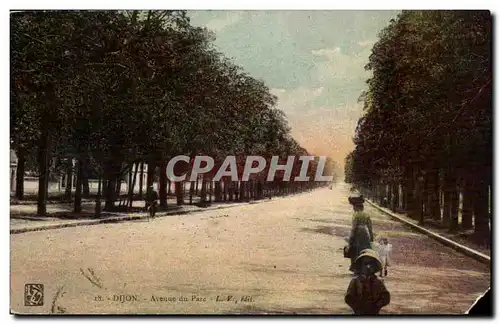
x=384, y=250
x=367, y=294
x=385, y=202
x=152, y=201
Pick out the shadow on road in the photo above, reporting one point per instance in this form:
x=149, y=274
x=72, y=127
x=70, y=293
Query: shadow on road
x=333, y=230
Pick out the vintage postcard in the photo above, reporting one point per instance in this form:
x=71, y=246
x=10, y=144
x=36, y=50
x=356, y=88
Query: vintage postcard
x=250, y=162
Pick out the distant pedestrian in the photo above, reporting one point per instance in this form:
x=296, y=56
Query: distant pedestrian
x=367, y=294
x=385, y=202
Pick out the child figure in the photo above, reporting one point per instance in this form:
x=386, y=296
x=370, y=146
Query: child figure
x=384, y=250
x=367, y=294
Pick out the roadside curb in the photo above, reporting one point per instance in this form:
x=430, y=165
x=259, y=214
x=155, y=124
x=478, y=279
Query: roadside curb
x=125, y=218
x=456, y=246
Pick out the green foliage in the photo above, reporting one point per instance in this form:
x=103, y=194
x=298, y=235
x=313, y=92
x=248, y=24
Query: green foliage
x=121, y=87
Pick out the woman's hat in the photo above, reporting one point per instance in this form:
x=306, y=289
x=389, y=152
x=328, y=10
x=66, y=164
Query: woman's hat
x=356, y=200
x=375, y=262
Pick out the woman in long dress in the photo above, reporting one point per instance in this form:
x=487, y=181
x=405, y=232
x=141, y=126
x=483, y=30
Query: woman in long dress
x=361, y=232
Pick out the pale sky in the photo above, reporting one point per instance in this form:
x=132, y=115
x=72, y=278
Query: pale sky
x=313, y=61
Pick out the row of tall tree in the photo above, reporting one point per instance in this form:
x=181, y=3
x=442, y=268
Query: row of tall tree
x=425, y=139
x=113, y=89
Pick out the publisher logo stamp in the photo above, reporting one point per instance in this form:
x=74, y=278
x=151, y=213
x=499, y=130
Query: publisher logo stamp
x=33, y=295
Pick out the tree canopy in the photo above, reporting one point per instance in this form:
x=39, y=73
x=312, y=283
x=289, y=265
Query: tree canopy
x=114, y=88
x=427, y=109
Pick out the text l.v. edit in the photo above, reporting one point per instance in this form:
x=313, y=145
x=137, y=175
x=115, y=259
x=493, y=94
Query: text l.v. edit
x=245, y=299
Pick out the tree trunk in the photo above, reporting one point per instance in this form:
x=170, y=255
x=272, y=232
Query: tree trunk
x=141, y=182
x=426, y=195
x=236, y=189
x=111, y=170
x=132, y=187
x=467, y=203
x=179, y=192
x=435, y=206
x=242, y=191
x=446, y=208
x=481, y=199
x=390, y=196
x=196, y=187
x=150, y=176
x=85, y=176
x=404, y=196
x=149, y=180
x=191, y=192
x=119, y=190
x=79, y=182
x=43, y=165
x=110, y=191
x=419, y=202
x=210, y=190
x=98, y=198
x=230, y=189
x=118, y=187
x=203, y=193
x=386, y=197
x=163, y=184
x=218, y=192
x=21, y=163
x=69, y=179
x=450, y=212
x=410, y=199
x=395, y=196
x=454, y=209
x=129, y=184
x=85, y=185
x=382, y=194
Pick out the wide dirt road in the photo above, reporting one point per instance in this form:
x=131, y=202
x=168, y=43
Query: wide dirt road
x=281, y=256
